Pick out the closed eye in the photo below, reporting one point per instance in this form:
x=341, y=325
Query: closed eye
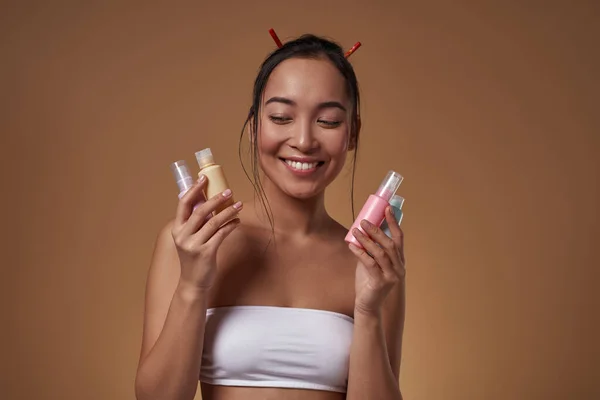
x=330, y=124
x=279, y=120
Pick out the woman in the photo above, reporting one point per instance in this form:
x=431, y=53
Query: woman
x=267, y=301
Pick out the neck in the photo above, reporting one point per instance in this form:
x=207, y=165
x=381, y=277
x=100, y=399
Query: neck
x=290, y=215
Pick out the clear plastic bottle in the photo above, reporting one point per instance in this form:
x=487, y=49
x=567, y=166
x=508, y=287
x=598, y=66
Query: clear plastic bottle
x=182, y=175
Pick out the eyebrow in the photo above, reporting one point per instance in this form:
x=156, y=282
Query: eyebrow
x=326, y=104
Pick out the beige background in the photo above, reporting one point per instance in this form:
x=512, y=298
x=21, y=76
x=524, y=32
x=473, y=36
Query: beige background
x=489, y=110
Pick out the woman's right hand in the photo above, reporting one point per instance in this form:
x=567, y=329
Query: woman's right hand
x=197, y=238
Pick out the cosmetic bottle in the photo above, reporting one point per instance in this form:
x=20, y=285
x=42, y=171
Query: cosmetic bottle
x=182, y=176
x=216, y=181
x=396, y=203
x=374, y=208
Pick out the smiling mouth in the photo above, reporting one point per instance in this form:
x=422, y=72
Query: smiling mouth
x=302, y=166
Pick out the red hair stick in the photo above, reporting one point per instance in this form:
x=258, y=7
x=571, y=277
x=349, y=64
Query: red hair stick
x=353, y=49
x=275, y=38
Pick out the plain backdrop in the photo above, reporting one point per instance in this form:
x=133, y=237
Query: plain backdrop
x=488, y=109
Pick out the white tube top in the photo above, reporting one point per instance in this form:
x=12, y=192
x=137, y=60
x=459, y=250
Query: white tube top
x=283, y=347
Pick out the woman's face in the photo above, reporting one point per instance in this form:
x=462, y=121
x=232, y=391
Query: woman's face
x=304, y=128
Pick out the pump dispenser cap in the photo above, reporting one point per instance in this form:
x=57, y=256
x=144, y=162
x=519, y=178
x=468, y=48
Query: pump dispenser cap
x=397, y=201
x=204, y=158
x=389, y=185
x=182, y=175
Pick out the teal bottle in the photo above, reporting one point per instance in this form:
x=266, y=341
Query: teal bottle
x=396, y=203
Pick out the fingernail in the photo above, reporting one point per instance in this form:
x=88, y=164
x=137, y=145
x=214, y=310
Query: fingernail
x=227, y=193
x=366, y=224
x=237, y=205
x=201, y=178
x=357, y=231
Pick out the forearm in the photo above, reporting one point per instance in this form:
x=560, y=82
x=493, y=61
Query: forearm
x=370, y=375
x=171, y=369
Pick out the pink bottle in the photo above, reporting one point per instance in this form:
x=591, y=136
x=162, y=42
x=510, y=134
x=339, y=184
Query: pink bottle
x=374, y=208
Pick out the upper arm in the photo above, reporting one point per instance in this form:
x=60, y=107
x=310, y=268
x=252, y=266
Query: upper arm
x=161, y=283
x=393, y=323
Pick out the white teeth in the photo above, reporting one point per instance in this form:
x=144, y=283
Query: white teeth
x=300, y=166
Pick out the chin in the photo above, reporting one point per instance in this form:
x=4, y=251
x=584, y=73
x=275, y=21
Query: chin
x=301, y=193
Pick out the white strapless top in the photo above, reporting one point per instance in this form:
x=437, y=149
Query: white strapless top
x=268, y=346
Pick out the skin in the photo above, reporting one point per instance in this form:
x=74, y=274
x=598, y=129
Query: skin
x=305, y=112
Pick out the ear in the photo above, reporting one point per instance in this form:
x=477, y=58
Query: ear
x=354, y=135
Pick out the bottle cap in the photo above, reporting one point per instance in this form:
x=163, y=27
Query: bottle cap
x=182, y=175
x=389, y=185
x=204, y=157
x=397, y=201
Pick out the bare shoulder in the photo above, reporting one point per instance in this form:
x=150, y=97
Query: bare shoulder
x=246, y=241
x=246, y=238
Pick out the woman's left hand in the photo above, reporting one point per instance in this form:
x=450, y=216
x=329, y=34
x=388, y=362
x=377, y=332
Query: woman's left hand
x=381, y=264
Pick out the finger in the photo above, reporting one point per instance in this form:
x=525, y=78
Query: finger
x=186, y=204
x=223, y=232
x=370, y=264
x=202, y=212
x=394, y=226
x=380, y=238
x=377, y=253
x=401, y=247
x=214, y=224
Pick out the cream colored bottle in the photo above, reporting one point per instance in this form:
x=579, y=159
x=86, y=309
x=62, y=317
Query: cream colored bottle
x=217, y=182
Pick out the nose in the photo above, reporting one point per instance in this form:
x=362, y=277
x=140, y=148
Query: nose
x=303, y=138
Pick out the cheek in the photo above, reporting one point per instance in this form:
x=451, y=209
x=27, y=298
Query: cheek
x=268, y=145
x=268, y=142
x=338, y=145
